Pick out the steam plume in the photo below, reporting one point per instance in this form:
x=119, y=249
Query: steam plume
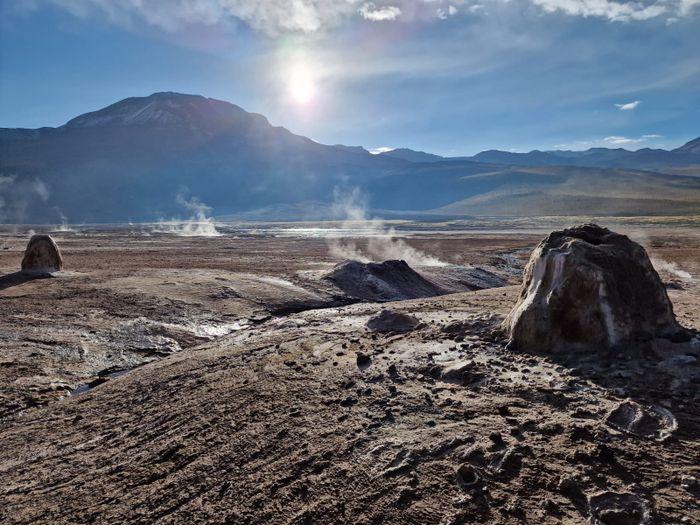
x=198, y=225
x=382, y=243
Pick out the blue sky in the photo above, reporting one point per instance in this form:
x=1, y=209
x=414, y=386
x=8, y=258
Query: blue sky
x=450, y=77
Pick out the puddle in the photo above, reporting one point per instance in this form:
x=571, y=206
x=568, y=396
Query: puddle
x=101, y=379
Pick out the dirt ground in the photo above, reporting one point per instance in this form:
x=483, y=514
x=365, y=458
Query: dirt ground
x=156, y=380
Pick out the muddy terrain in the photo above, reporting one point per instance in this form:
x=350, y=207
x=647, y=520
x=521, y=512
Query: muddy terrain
x=227, y=379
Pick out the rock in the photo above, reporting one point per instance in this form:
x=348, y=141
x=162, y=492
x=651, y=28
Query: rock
x=611, y=508
x=460, y=372
x=549, y=506
x=632, y=418
x=391, y=321
x=386, y=281
x=592, y=288
x=42, y=256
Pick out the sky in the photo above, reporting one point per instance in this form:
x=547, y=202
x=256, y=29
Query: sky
x=449, y=77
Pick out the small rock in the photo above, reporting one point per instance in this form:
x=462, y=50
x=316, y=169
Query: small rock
x=390, y=321
x=459, y=372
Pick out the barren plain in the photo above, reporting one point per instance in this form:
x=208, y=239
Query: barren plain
x=181, y=379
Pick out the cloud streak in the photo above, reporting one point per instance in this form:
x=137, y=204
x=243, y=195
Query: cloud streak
x=278, y=17
x=379, y=14
x=628, y=106
x=609, y=9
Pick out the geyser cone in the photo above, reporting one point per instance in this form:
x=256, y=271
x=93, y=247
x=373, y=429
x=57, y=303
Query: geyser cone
x=42, y=255
x=386, y=281
x=589, y=286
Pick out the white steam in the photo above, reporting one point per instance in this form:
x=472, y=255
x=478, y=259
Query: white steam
x=659, y=264
x=673, y=269
x=64, y=227
x=198, y=225
x=19, y=197
x=382, y=244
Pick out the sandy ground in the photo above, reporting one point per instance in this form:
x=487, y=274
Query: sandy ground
x=155, y=381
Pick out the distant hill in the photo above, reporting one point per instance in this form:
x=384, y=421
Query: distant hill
x=692, y=148
x=412, y=155
x=646, y=158
x=493, y=189
x=142, y=157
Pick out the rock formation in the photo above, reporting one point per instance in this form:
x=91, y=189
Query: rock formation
x=386, y=281
x=42, y=256
x=588, y=286
x=391, y=321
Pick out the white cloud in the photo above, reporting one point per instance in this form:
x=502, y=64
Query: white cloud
x=277, y=17
x=443, y=14
x=686, y=6
x=272, y=17
x=371, y=12
x=617, y=140
x=622, y=11
x=606, y=142
x=628, y=106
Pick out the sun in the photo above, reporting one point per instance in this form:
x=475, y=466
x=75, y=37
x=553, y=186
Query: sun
x=302, y=88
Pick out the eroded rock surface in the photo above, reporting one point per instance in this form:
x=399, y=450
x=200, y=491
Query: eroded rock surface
x=42, y=255
x=588, y=286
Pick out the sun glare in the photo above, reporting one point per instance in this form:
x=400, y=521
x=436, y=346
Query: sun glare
x=301, y=86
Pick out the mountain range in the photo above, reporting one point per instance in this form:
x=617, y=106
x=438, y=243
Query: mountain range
x=145, y=158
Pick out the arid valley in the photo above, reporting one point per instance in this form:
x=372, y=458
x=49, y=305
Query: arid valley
x=169, y=378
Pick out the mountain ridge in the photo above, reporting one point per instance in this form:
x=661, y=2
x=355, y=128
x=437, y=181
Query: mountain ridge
x=141, y=156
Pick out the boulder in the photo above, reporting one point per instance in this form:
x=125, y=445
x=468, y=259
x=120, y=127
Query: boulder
x=391, y=321
x=589, y=287
x=42, y=256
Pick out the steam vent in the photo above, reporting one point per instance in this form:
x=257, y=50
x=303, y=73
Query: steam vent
x=42, y=255
x=590, y=287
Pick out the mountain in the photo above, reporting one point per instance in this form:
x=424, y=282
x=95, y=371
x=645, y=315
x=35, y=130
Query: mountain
x=412, y=155
x=134, y=158
x=692, y=148
x=163, y=155
x=463, y=188
x=646, y=158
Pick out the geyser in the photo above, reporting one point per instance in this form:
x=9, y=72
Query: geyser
x=588, y=286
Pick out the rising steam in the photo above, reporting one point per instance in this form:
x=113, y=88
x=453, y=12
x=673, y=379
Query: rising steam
x=64, y=227
x=673, y=269
x=198, y=225
x=382, y=244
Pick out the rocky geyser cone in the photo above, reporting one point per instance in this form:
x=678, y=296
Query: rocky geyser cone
x=42, y=255
x=588, y=286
